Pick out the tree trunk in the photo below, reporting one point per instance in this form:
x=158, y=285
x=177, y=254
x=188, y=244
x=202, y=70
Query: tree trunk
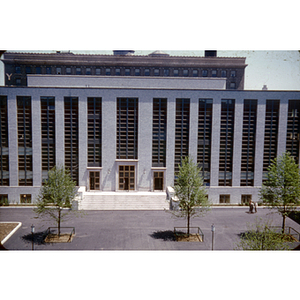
x=283, y=223
x=188, y=223
x=58, y=222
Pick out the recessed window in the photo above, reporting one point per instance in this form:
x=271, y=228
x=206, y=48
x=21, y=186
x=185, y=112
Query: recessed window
x=246, y=199
x=232, y=85
x=98, y=71
x=223, y=73
x=232, y=73
x=68, y=71
x=118, y=71
x=147, y=72
x=185, y=73
x=195, y=73
x=48, y=70
x=88, y=71
x=137, y=72
x=18, y=81
x=176, y=72
x=18, y=70
x=25, y=198
x=224, y=198
x=156, y=72
x=204, y=73
x=38, y=70
x=127, y=72
x=107, y=71
x=166, y=72
x=28, y=70
x=214, y=73
x=78, y=71
x=58, y=71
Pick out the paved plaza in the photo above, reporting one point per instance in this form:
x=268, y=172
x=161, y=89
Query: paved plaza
x=138, y=230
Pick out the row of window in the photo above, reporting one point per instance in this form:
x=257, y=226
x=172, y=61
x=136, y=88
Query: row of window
x=121, y=71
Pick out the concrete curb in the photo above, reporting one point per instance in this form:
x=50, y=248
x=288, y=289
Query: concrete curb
x=12, y=232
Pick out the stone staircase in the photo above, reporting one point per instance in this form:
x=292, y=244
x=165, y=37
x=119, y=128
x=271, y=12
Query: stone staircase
x=123, y=201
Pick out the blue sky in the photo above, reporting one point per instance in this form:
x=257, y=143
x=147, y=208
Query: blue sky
x=279, y=70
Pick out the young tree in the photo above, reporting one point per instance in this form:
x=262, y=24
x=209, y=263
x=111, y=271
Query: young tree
x=261, y=236
x=281, y=190
x=189, y=189
x=56, y=194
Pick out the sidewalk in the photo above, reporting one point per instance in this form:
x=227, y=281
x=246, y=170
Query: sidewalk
x=138, y=230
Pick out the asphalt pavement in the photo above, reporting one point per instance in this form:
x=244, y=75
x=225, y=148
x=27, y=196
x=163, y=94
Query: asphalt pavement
x=136, y=230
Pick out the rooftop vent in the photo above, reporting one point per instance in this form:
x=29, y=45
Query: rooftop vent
x=210, y=53
x=123, y=52
x=158, y=53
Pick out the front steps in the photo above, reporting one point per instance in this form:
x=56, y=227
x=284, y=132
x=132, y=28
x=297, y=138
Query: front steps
x=123, y=201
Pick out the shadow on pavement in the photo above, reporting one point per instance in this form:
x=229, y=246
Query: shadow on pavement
x=37, y=238
x=166, y=235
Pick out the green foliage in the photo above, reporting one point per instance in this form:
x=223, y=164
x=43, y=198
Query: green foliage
x=260, y=236
x=56, y=194
x=190, y=191
x=281, y=190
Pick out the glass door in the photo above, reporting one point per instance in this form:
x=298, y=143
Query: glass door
x=94, y=180
x=126, y=178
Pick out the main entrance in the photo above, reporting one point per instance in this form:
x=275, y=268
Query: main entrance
x=94, y=180
x=126, y=178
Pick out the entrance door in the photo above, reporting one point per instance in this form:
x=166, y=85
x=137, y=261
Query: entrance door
x=94, y=180
x=126, y=178
x=158, y=181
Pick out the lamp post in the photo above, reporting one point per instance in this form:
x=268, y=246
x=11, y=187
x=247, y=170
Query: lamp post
x=32, y=232
x=213, y=228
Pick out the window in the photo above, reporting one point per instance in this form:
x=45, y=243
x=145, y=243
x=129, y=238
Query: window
x=107, y=71
x=232, y=73
x=48, y=70
x=4, y=154
x=3, y=199
x=18, y=81
x=127, y=72
x=195, y=73
x=166, y=72
x=38, y=70
x=118, y=71
x=47, y=134
x=232, y=85
x=224, y=198
x=58, y=71
x=159, y=132
x=25, y=198
x=18, y=70
x=176, y=72
x=24, y=140
x=94, y=132
x=182, y=124
x=137, y=72
x=28, y=70
x=88, y=71
x=223, y=73
x=204, y=137
x=68, y=70
x=147, y=72
x=214, y=73
x=156, y=72
x=226, y=142
x=158, y=180
x=98, y=71
x=246, y=199
x=78, y=71
x=293, y=129
x=204, y=73
x=185, y=73
x=271, y=131
x=127, y=128
x=71, y=137
x=248, y=143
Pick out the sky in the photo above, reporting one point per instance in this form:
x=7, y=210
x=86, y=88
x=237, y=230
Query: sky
x=278, y=69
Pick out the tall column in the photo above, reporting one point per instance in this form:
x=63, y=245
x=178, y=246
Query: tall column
x=171, y=115
x=282, y=126
x=82, y=124
x=109, y=133
x=259, y=141
x=193, y=128
x=237, y=142
x=60, y=130
x=13, y=139
x=36, y=140
x=215, y=142
x=145, y=143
